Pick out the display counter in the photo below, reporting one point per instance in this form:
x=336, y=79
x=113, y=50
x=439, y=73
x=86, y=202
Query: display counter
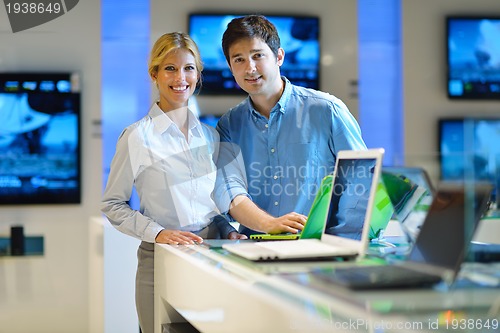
x=218, y=292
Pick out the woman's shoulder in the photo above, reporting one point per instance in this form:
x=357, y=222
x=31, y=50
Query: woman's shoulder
x=132, y=131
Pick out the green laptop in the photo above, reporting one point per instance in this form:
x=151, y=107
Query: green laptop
x=316, y=219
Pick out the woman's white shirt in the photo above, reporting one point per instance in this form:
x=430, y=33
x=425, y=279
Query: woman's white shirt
x=173, y=176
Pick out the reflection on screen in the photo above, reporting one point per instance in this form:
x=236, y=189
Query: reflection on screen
x=350, y=195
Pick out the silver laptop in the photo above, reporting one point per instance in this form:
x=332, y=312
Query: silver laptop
x=439, y=250
x=345, y=232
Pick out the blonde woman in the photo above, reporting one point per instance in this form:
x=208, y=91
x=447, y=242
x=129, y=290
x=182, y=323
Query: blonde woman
x=168, y=156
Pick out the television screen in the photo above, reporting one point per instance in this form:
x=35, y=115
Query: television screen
x=210, y=119
x=470, y=149
x=299, y=36
x=473, y=57
x=39, y=138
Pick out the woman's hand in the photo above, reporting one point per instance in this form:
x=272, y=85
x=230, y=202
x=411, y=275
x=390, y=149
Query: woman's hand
x=236, y=235
x=177, y=237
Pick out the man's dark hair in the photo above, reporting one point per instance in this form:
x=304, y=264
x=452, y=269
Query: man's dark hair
x=247, y=27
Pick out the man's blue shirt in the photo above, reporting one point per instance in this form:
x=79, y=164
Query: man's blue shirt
x=279, y=162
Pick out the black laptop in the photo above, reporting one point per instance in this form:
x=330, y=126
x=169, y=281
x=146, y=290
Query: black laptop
x=439, y=249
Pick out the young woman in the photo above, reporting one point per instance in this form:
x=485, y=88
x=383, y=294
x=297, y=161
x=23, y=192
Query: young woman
x=168, y=156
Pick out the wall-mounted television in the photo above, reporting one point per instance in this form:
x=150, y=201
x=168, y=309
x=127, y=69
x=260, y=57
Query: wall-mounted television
x=469, y=149
x=299, y=36
x=39, y=138
x=210, y=119
x=473, y=57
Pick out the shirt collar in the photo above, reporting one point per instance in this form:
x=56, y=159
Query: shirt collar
x=194, y=124
x=162, y=122
x=285, y=97
x=281, y=105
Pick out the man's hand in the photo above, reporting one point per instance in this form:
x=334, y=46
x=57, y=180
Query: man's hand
x=177, y=237
x=250, y=215
x=291, y=222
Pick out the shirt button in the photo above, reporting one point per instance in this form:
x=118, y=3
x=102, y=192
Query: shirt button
x=276, y=203
x=275, y=177
x=266, y=125
x=272, y=150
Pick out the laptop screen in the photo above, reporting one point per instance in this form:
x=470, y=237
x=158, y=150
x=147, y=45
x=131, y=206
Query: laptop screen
x=350, y=197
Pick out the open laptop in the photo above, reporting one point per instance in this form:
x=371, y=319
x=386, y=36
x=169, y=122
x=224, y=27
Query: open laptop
x=316, y=219
x=411, y=192
x=439, y=249
x=417, y=175
x=346, y=226
x=313, y=228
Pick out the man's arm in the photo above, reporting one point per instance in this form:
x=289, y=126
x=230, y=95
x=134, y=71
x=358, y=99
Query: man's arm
x=231, y=193
x=247, y=213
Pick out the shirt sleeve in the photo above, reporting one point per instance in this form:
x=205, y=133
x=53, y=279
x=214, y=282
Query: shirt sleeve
x=231, y=177
x=351, y=206
x=225, y=228
x=115, y=202
x=346, y=134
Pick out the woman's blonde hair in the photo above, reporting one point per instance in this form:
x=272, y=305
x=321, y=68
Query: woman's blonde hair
x=170, y=42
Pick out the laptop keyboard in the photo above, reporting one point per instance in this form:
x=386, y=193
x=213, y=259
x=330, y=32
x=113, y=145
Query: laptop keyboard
x=373, y=277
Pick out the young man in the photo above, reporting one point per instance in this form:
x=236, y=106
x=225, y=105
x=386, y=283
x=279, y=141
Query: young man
x=278, y=144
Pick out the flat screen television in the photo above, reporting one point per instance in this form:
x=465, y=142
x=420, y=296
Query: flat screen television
x=210, y=119
x=469, y=149
x=39, y=138
x=473, y=57
x=299, y=36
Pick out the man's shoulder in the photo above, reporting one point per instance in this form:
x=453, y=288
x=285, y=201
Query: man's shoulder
x=236, y=111
x=315, y=100
x=312, y=94
x=239, y=108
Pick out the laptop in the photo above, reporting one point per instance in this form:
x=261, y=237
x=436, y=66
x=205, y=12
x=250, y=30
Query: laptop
x=316, y=219
x=417, y=175
x=410, y=192
x=346, y=223
x=313, y=228
x=439, y=249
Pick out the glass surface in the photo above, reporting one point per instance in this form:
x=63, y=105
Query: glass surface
x=470, y=150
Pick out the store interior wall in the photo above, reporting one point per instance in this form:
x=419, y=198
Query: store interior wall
x=59, y=291
x=62, y=290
